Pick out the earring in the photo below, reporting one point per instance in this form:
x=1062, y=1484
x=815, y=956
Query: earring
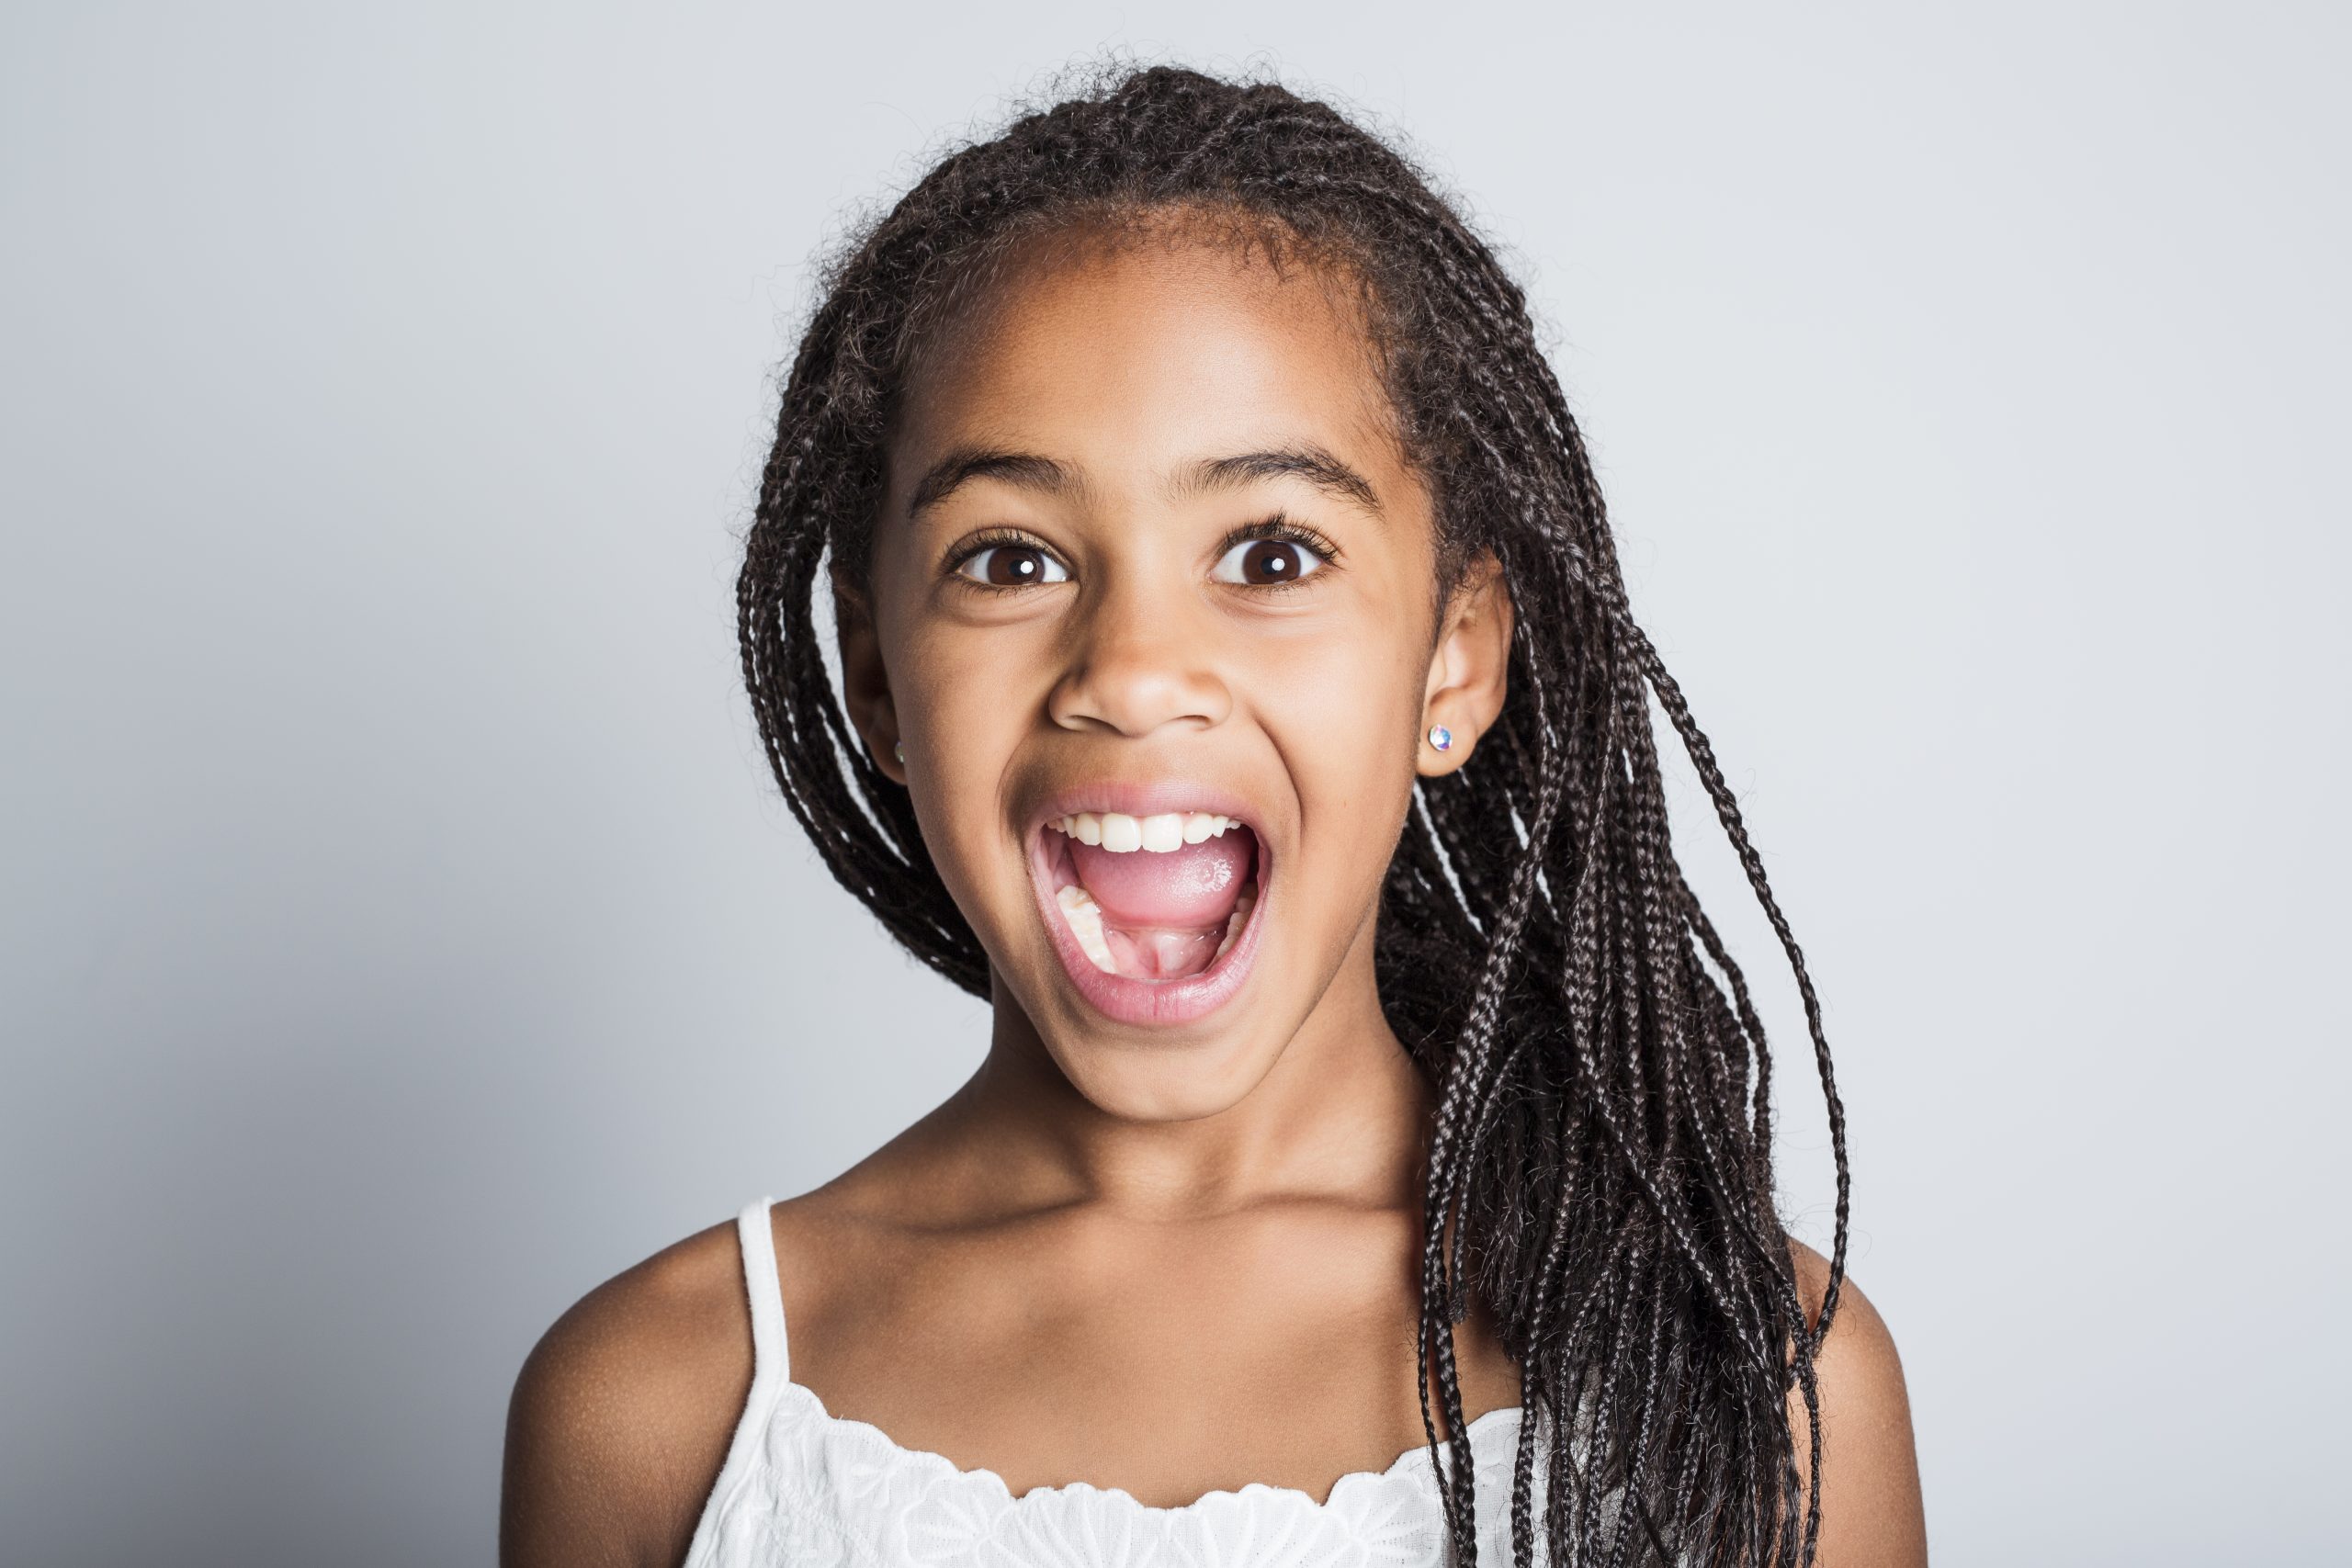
x=899, y=750
x=1440, y=737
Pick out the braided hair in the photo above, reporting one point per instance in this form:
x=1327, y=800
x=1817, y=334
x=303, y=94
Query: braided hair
x=1599, y=1168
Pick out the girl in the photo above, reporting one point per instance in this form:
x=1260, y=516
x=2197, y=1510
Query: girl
x=1370, y=1162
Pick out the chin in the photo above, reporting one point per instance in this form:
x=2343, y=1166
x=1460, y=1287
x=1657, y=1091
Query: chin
x=1165, y=1083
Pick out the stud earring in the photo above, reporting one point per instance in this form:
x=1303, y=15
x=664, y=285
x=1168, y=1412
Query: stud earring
x=899, y=750
x=1440, y=737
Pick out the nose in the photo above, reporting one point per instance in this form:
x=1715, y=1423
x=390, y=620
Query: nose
x=1139, y=662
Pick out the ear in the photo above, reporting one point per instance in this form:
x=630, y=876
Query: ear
x=865, y=683
x=1470, y=667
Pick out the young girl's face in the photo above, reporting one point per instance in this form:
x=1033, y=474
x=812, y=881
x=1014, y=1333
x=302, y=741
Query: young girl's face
x=1153, y=612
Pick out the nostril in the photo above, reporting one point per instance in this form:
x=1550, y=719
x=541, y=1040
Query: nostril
x=1135, y=694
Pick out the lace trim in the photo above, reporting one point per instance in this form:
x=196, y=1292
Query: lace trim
x=939, y=1468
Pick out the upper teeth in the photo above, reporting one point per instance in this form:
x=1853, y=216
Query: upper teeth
x=1118, y=832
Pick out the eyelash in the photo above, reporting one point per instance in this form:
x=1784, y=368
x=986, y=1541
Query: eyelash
x=986, y=541
x=1278, y=526
x=1281, y=529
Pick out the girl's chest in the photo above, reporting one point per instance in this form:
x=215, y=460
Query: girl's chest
x=1164, y=1377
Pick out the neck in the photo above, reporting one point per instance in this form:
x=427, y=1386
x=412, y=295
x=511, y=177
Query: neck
x=1338, y=1116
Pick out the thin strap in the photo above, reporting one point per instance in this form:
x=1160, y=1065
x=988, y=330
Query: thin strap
x=770, y=1358
x=770, y=1374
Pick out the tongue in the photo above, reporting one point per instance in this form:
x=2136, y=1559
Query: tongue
x=1191, y=887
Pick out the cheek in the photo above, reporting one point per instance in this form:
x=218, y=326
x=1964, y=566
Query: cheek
x=1334, y=703
x=1353, y=671
x=965, y=703
x=1341, y=707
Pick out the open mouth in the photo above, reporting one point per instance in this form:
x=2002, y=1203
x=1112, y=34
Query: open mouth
x=1158, y=900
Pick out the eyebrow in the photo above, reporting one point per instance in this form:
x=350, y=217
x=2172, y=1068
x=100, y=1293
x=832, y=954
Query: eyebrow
x=1028, y=470
x=1304, y=461
x=1025, y=470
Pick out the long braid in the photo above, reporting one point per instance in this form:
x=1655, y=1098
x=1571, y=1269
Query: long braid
x=1599, y=1171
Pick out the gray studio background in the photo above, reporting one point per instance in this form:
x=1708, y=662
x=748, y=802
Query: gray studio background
x=401, y=934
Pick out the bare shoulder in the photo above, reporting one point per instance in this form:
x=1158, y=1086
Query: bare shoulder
x=1870, y=1511
x=623, y=1412
x=1857, y=1363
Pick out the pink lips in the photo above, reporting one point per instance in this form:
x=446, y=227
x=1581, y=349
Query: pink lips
x=1155, y=1002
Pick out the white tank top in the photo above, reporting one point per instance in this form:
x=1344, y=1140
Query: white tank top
x=804, y=1488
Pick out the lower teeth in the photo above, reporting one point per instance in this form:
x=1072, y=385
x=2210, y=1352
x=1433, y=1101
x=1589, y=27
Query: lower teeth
x=1085, y=921
x=1240, y=917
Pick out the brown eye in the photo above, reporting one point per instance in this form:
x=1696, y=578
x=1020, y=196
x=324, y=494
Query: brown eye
x=1012, y=566
x=1267, y=563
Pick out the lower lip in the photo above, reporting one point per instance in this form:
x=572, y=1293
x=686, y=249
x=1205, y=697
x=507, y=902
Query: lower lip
x=1150, y=1002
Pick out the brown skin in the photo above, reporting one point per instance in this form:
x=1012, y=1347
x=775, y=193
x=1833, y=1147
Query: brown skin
x=1168, y=1259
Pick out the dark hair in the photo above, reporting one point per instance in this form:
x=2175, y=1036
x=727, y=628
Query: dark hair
x=1602, y=1138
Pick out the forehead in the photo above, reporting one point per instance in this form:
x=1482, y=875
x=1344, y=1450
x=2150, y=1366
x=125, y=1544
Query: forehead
x=1151, y=353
